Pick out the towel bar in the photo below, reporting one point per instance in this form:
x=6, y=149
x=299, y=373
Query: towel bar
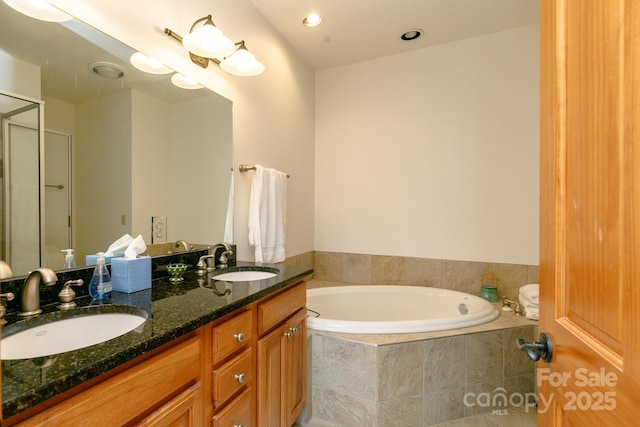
x=247, y=168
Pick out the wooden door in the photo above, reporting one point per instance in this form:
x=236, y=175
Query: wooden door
x=590, y=212
x=271, y=350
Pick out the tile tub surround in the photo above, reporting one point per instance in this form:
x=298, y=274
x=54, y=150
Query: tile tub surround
x=395, y=270
x=416, y=379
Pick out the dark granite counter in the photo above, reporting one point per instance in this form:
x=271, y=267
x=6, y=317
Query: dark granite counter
x=174, y=310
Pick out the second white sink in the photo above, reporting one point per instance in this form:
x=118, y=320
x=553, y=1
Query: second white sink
x=244, y=276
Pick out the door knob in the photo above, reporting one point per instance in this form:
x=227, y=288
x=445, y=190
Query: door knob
x=537, y=350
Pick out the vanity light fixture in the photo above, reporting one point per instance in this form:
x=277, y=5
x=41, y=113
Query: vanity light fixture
x=39, y=9
x=206, y=43
x=148, y=64
x=184, y=82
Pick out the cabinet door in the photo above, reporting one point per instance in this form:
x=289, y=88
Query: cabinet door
x=185, y=410
x=271, y=358
x=295, y=367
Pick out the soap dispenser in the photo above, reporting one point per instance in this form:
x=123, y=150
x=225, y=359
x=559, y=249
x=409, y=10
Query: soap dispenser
x=68, y=258
x=100, y=284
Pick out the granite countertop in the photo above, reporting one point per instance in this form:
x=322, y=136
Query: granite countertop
x=174, y=310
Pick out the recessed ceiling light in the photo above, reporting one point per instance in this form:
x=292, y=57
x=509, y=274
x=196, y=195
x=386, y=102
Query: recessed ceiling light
x=108, y=70
x=411, y=34
x=312, y=20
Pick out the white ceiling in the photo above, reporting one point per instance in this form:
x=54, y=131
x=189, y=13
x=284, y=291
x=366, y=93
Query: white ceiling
x=360, y=30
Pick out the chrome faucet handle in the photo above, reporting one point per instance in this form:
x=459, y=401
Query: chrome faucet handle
x=67, y=295
x=8, y=296
x=223, y=259
x=202, y=266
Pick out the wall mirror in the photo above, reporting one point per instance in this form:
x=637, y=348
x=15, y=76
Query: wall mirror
x=115, y=151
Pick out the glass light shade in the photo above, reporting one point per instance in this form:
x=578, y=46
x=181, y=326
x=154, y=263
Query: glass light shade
x=242, y=63
x=209, y=42
x=147, y=64
x=39, y=9
x=312, y=20
x=184, y=82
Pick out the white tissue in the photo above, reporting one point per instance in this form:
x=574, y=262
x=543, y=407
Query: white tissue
x=118, y=247
x=135, y=248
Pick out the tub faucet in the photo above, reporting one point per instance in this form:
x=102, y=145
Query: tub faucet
x=30, y=294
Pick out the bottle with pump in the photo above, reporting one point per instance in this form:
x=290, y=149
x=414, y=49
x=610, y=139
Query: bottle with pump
x=68, y=259
x=100, y=284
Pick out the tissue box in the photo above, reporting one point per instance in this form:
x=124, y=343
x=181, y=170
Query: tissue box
x=93, y=259
x=131, y=275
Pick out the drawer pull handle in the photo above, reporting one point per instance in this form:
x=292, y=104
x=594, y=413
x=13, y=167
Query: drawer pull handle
x=287, y=334
x=239, y=336
x=239, y=377
x=294, y=330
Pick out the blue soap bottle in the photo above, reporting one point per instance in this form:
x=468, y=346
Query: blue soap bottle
x=100, y=284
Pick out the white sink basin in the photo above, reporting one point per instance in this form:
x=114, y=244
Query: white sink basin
x=67, y=334
x=244, y=276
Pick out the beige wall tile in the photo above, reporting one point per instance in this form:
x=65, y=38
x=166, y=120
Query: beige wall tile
x=328, y=266
x=356, y=268
x=403, y=412
x=479, y=397
x=445, y=405
x=510, y=276
x=350, y=368
x=483, y=357
x=399, y=370
x=387, y=270
x=444, y=364
x=462, y=276
x=343, y=410
x=423, y=272
x=516, y=361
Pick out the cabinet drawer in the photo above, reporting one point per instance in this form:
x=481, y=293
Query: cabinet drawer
x=232, y=335
x=278, y=308
x=232, y=376
x=237, y=413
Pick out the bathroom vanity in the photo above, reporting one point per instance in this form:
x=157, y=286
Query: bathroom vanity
x=214, y=353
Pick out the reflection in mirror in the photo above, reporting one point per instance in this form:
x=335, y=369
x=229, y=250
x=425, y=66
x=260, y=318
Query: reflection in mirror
x=20, y=142
x=116, y=151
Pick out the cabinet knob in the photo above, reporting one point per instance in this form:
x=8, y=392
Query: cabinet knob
x=287, y=334
x=238, y=425
x=294, y=330
x=239, y=336
x=239, y=377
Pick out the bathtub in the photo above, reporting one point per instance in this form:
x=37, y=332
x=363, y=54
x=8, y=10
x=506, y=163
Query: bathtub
x=381, y=309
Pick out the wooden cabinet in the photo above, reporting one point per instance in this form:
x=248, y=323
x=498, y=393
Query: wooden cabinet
x=246, y=369
x=157, y=391
x=233, y=370
x=282, y=358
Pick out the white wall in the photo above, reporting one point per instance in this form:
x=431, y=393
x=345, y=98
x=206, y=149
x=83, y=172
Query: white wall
x=103, y=134
x=432, y=153
x=273, y=113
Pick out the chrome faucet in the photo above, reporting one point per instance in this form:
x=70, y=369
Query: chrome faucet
x=223, y=256
x=184, y=244
x=202, y=264
x=30, y=294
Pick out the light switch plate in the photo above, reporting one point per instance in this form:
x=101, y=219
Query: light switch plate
x=158, y=229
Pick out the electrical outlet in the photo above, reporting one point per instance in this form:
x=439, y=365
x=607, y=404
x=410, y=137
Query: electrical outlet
x=158, y=229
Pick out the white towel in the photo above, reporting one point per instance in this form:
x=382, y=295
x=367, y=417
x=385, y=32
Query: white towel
x=267, y=214
x=528, y=303
x=532, y=313
x=531, y=292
